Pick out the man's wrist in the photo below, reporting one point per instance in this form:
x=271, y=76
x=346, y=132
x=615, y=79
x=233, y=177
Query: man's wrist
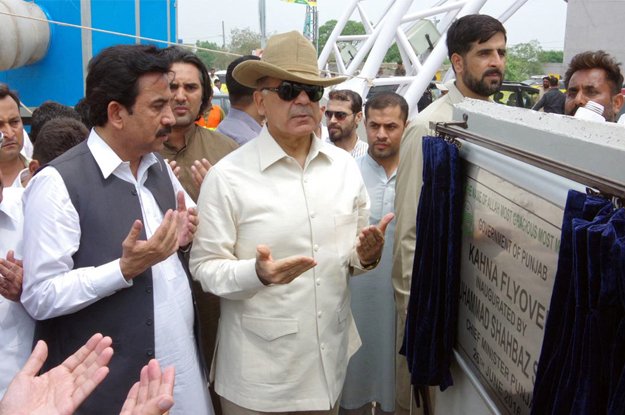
x=371, y=265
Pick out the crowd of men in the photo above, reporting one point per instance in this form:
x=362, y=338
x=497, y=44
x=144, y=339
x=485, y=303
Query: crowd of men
x=226, y=255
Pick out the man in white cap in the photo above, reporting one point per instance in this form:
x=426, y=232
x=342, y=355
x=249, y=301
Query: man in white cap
x=283, y=224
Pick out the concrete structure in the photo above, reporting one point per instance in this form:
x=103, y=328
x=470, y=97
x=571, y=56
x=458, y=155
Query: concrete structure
x=592, y=25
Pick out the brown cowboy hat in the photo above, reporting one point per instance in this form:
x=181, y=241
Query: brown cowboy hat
x=289, y=57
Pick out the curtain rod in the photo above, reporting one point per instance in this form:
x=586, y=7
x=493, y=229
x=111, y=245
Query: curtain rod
x=456, y=132
x=477, y=384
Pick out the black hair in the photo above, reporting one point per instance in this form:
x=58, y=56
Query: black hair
x=46, y=112
x=6, y=92
x=113, y=75
x=471, y=28
x=56, y=137
x=597, y=60
x=387, y=99
x=553, y=81
x=177, y=54
x=239, y=94
x=347, y=95
x=82, y=108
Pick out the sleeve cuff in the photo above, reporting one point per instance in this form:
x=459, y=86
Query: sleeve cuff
x=107, y=279
x=245, y=275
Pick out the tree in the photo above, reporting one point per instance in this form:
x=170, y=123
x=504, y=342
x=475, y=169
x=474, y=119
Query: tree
x=351, y=28
x=523, y=61
x=393, y=54
x=210, y=59
x=527, y=59
x=324, y=33
x=243, y=41
x=551, y=56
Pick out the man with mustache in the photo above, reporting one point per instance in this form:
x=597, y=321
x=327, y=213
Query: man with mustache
x=283, y=225
x=477, y=51
x=371, y=370
x=193, y=148
x=343, y=114
x=12, y=162
x=594, y=76
x=107, y=222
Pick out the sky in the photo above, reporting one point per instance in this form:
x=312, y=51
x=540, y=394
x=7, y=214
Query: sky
x=541, y=20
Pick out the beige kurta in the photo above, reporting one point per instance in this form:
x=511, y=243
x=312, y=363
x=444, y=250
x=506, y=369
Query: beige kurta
x=200, y=143
x=281, y=347
x=407, y=193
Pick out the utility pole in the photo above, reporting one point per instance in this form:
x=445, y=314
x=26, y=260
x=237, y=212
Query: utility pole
x=262, y=13
x=223, y=35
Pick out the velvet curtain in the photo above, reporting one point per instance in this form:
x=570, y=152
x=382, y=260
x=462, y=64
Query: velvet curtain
x=581, y=366
x=433, y=307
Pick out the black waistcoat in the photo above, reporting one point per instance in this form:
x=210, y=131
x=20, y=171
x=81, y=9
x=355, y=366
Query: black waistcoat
x=107, y=208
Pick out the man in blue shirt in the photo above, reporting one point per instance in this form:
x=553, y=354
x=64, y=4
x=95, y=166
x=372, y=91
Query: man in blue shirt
x=371, y=371
x=243, y=122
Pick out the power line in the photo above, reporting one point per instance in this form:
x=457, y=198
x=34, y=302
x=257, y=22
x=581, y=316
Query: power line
x=111, y=32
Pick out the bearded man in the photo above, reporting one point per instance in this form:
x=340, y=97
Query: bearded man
x=477, y=51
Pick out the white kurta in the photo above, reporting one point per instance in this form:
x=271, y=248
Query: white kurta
x=53, y=288
x=16, y=326
x=281, y=347
x=371, y=371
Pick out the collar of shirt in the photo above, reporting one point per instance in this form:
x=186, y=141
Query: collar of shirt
x=246, y=118
x=11, y=204
x=272, y=152
x=110, y=163
x=455, y=96
x=18, y=183
x=188, y=136
x=23, y=174
x=376, y=166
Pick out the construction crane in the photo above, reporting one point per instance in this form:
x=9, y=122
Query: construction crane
x=311, y=22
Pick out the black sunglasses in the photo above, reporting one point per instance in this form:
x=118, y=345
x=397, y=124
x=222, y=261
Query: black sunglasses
x=339, y=115
x=288, y=91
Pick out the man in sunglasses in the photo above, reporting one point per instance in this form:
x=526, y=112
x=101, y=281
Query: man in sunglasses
x=283, y=224
x=343, y=114
x=477, y=51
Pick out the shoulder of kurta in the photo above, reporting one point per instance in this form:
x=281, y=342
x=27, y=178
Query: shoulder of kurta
x=215, y=137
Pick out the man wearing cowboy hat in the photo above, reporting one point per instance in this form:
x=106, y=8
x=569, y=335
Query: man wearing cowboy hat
x=283, y=224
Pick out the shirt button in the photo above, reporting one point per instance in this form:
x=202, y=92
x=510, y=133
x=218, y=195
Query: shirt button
x=149, y=353
x=133, y=192
x=323, y=346
x=316, y=247
x=313, y=214
x=318, y=282
x=148, y=290
x=148, y=322
x=319, y=314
